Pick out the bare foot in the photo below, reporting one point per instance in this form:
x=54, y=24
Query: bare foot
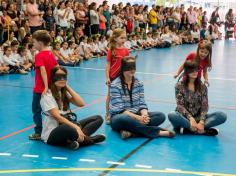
x=168, y=134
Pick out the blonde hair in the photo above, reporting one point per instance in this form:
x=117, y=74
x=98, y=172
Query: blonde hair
x=112, y=43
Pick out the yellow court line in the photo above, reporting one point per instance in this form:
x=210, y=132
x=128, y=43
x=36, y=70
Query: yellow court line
x=113, y=169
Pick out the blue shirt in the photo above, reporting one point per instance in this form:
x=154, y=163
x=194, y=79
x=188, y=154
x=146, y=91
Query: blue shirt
x=132, y=100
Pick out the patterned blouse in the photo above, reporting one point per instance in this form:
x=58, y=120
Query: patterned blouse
x=190, y=103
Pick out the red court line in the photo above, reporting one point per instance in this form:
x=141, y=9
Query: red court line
x=17, y=132
x=90, y=104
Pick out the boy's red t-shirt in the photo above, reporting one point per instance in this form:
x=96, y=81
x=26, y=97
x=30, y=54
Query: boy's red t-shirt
x=48, y=60
x=202, y=65
x=116, y=61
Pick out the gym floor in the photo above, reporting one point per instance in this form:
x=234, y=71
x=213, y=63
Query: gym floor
x=183, y=155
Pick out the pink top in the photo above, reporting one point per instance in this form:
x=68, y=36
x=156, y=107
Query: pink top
x=102, y=23
x=32, y=11
x=192, y=17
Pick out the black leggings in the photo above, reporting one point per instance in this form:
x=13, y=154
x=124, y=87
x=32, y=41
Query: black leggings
x=64, y=134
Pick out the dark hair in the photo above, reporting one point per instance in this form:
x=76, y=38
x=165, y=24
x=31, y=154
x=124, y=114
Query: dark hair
x=63, y=98
x=5, y=48
x=70, y=43
x=14, y=43
x=122, y=78
x=190, y=65
x=59, y=4
x=55, y=44
x=63, y=43
x=30, y=46
x=21, y=49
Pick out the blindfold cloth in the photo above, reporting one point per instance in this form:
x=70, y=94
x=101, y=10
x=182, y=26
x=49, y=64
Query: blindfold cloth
x=59, y=77
x=129, y=66
x=189, y=70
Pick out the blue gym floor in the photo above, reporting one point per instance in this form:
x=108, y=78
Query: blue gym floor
x=183, y=155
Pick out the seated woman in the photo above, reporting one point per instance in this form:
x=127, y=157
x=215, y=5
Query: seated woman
x=191, y=115
x=129, y=112
x=58, y=130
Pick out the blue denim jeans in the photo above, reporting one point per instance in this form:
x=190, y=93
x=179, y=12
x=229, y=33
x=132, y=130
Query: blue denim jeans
x=213, y=119
x=121, y=122
x=37, y=110
x=154, y=27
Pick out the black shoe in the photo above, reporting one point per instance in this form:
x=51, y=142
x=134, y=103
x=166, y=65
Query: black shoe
x=73, y=145
x=182, y=130
x=211, y=132
x=98, y=138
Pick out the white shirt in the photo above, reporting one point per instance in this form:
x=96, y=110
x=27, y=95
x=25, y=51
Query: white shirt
x=55, y=14
x=70, y=51
x=149, y=39
x=63, y=22
x=128, y=44
x=1, y=58
x=64, y=53
x=81, y=48
x=166, y=37
x=94, y=18
x=96, y=47
x=133, y=43
x=47, y=103
x=21, y=59
x=103, y=45
x=9, y=60
x=195, y=34
x=109, y=33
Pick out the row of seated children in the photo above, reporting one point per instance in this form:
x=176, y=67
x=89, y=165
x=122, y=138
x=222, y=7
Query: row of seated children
x=71, y=54
x=16, y=59
x=165, y=38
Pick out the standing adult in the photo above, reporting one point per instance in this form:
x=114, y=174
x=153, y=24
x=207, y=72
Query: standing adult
x=215, y=17
x=35, y=16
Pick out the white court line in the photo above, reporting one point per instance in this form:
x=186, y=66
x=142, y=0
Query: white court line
x=87, y=160
x=158, y=74
x=143, y=166
x=116, y=163
x=30, y=156
x=5, y=154
x=59, y=158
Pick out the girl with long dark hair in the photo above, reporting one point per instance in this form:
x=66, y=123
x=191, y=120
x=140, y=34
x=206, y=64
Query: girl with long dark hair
x=59, y=130
x=191, y=114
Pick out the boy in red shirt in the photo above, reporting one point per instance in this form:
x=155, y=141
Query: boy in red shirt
x=45, y=61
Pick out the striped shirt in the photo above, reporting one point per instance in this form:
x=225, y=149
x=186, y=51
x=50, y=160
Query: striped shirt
x=120, y=101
